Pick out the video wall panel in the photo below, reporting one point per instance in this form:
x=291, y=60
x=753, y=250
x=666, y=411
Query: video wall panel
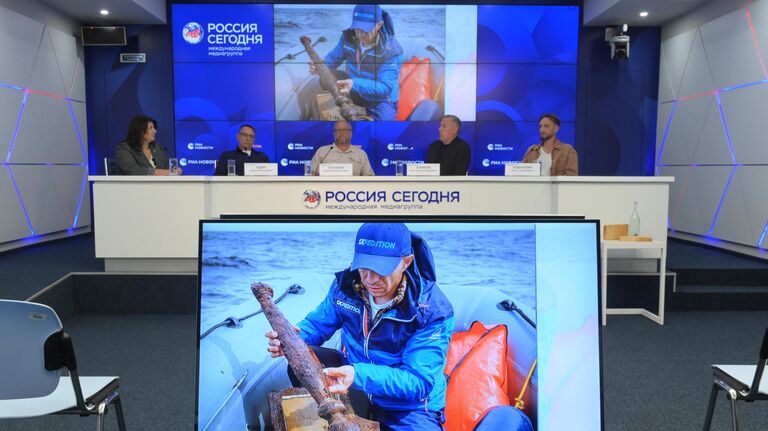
x=497, y=67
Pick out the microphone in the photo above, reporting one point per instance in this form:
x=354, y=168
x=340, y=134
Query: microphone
x=326, y=154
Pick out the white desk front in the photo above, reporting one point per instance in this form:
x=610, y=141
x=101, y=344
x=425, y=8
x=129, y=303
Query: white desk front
x=151, y=223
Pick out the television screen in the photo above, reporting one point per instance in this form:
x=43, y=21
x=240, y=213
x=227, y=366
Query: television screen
x=497, y=67
x=539, y=279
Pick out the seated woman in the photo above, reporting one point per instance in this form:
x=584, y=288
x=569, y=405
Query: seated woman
x=138, y=154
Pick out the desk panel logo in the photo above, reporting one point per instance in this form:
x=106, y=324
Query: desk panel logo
x=311, y=198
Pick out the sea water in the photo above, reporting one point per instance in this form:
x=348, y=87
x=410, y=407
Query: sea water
x=232, y=261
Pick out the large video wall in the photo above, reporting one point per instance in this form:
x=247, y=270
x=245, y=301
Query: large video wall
x=497, y=67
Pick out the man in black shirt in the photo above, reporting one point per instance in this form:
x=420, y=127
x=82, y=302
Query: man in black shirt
x=450, y=151
x=244, y=152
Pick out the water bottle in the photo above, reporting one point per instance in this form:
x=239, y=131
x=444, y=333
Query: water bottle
x=634, y=222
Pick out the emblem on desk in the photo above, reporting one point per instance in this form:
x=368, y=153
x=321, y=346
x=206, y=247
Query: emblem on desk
x=311, y=198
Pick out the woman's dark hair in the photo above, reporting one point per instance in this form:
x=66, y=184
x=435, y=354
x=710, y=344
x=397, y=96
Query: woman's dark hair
x=136, y=130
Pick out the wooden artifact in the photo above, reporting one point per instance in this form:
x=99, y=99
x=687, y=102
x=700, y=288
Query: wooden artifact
x=307, y=367
x=349, y=110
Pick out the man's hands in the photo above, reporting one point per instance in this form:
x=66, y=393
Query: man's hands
x=339, y=379
x=273, y=344
x=344, y=86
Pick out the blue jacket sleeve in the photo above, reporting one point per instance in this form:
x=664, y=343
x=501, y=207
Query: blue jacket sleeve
x=320, y=324
x=387, y=77
x=422, y=364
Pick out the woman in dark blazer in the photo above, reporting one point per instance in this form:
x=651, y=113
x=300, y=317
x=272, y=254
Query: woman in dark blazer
x=138, y=154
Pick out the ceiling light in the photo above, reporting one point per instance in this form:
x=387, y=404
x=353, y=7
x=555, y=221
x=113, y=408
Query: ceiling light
x=104, y=12
x=643, y=14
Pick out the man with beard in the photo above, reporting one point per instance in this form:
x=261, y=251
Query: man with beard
x=556, y=158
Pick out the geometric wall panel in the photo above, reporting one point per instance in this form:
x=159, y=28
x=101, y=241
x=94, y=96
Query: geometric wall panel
x=66, y=55
x=47, y=133
x=46, y=76
x=685, y=130
x=697, y=199
x=697, y=78
x=10, y=101
x=730, y=51
x=13, y=223
x=745, y=112
x=19, y=39
x=677, y=50
x=43, y=158
x=714, y=139
x=758, y=16
x=77, y=91
x=663, y=118
x=666, y=89
x=743, y=214
x=51, y=194
x=712, y=148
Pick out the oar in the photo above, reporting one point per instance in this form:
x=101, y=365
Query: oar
x=509, y=305
x=290, y=56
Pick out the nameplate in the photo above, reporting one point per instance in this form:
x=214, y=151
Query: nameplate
x=336, y=169
x=423, y=170
x=522, y=169
x=260, y=169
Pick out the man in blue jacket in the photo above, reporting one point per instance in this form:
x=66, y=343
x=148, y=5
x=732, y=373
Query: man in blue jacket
x=395, y=328
x=373, y=57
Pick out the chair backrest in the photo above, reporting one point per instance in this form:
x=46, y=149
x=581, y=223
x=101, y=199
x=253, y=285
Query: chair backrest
x=24, y=329
x=110, y=166
x=755, y=387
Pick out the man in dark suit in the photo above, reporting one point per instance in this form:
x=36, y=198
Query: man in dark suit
x=450, y=151
x=244, y=153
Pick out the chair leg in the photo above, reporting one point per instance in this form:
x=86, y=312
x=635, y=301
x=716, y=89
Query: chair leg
x=100, y=420
x=734, y=412
x=711, y=408
x=119, y=413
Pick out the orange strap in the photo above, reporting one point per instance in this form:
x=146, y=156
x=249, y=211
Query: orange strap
x=519, y=403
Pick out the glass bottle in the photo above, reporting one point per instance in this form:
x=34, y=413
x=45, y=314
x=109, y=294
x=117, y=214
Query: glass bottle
x=634, y=222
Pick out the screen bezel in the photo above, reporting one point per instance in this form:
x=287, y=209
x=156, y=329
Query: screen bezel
x=293, y=218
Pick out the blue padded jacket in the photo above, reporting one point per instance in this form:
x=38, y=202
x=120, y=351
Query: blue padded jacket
x=399, y=360
x=375, y=72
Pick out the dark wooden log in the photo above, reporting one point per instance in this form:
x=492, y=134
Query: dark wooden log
x=328, y=81
x=304, y=363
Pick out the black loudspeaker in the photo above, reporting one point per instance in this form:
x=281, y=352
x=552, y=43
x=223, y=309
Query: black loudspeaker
x=103, y=35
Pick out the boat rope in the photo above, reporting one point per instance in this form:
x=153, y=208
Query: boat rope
x=519, y=403
x=235, y=322
x=509, y=305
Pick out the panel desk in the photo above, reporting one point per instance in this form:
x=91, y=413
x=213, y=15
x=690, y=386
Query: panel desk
x=150, y=224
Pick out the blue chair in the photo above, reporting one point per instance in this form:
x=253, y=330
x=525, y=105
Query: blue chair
x=34, y=350
x=740, y=382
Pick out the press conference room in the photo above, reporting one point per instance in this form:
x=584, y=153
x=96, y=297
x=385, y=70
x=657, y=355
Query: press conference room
x=502, y=215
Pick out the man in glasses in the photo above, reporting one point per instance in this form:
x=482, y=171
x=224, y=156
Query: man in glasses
x=342, y=151
x=244, y=152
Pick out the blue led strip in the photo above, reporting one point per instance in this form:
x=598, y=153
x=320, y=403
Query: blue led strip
x=85, y=168
x=762, y=237
x=666, y=131
x=749, y=84
x=720, y=205
x=725, y=127
x=16, y=130
x=21, y=201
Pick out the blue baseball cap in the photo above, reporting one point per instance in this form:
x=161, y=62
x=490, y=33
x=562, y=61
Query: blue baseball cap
x=366, y=16
x=381, y=246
